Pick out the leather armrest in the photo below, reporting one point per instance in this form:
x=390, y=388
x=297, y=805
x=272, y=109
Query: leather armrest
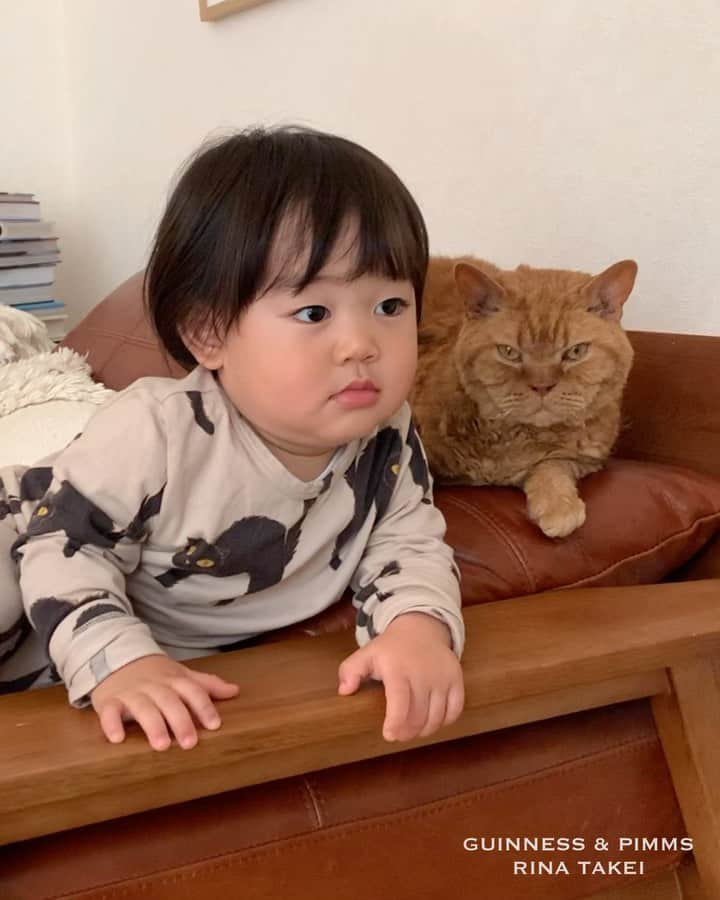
x=525, y=659
x=672, y=401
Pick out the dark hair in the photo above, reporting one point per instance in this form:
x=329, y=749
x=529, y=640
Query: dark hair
x=209, y=259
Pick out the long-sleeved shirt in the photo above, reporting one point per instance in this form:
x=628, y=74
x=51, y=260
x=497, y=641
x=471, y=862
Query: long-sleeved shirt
x=169, y=522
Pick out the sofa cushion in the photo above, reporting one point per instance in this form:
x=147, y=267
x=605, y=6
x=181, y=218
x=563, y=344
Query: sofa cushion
x=643, y=521
x=46, y=399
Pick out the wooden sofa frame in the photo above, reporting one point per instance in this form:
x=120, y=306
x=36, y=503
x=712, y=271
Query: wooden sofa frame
x=526, y=659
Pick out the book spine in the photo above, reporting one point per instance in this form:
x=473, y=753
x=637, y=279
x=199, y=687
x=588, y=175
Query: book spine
x=20, y=211
x=38, y=306
x=17, y=230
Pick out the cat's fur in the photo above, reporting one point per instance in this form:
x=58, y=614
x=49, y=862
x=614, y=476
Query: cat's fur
x=497, y=398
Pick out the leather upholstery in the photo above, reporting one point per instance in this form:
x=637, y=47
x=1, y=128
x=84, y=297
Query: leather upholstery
x=644, y=520
x=394, y=826
x=390, y=827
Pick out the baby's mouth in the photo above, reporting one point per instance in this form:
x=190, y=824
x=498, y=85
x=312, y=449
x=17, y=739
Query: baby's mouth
x=358, y=384
x=357, y=396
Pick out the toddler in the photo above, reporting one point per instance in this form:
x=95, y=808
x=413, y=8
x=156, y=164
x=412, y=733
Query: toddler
x=194, y=514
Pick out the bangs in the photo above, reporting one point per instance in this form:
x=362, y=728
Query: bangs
x=346, y=190
x=267, y=207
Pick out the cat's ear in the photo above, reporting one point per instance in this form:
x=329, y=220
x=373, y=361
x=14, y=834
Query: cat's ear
x=609, y=290
x=482, y=295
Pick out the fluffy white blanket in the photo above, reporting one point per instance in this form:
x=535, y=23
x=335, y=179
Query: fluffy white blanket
x=46, y=398
x=21, y=335
x=59, y=375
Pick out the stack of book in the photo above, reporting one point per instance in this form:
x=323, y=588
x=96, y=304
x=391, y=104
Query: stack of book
x=28, y=256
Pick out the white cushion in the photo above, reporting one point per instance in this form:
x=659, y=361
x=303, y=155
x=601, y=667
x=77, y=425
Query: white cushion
x=45, y=400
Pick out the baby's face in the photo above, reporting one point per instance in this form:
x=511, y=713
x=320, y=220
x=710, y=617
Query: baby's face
x=287, y=363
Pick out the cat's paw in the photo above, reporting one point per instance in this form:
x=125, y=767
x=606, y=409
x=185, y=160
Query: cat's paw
x=558, y=517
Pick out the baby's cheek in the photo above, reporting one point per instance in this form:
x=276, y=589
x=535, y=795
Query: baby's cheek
x=293, y=393
x=405, y=376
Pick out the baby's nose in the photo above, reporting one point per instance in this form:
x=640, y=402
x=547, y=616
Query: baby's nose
x=359, y=345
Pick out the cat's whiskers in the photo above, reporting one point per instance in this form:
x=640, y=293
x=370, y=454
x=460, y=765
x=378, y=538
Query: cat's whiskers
x=572, y=401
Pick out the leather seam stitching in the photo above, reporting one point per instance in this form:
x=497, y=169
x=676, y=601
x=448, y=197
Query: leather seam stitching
x=311, y=802
x=650, y=869
x=331, y=832
x=648, y=550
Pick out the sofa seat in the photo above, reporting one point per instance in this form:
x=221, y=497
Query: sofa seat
x=601, y=772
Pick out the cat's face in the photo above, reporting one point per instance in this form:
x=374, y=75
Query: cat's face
x=543, y=347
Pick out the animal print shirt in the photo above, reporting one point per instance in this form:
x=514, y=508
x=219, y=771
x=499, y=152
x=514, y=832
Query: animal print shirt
x=169, y=526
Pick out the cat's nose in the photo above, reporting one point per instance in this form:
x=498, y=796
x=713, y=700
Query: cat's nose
x=542, y=388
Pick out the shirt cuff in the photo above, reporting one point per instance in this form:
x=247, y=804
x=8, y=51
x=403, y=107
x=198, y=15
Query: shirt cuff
x=134, y=642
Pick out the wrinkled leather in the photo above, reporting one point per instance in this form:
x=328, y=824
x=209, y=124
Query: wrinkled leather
x=644, y=519
x=394, y=826
x=389, y=827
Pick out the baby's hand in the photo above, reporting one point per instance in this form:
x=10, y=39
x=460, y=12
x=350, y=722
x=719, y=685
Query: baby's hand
x=422, y=676
x=157, y=692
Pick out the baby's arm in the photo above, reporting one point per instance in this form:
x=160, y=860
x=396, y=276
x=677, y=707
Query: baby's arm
x=409, y=622
x=93, y=510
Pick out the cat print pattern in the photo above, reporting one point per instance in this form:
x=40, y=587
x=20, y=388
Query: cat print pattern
x=194, y=536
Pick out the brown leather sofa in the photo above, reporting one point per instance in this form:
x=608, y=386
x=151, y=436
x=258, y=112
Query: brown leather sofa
x=394, y=825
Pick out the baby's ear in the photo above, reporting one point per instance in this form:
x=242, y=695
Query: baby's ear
x=608, y=291
x=203, y=342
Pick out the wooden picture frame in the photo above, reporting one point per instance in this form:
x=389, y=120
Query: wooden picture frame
x=210, y=12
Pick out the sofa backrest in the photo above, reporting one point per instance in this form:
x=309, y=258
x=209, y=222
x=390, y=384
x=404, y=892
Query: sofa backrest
x=672, y=401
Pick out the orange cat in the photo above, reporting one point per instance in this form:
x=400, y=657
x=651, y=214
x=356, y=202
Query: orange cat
x=520, y=379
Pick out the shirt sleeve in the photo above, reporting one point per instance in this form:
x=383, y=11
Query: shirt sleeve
x=90, y=511
x=407, y=566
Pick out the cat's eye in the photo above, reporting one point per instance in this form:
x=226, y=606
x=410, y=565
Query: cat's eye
x=576, y=352
x=511, y=354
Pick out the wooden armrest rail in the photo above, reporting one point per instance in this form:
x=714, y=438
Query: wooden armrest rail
x=525, y=659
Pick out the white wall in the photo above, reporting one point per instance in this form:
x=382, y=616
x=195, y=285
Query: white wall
x=35, y=149
x=572, y=133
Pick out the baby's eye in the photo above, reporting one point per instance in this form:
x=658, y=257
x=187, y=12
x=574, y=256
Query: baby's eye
x=313, y=312
x=397, y=304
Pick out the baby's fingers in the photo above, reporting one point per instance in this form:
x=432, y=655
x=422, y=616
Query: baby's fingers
x=196, y=698
x=455, y=702
x=172, y=705
x=214, y=685
x=146, y=713
x=398, y=700
x=436, y=715
x=138, y=708
x=111, y=722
